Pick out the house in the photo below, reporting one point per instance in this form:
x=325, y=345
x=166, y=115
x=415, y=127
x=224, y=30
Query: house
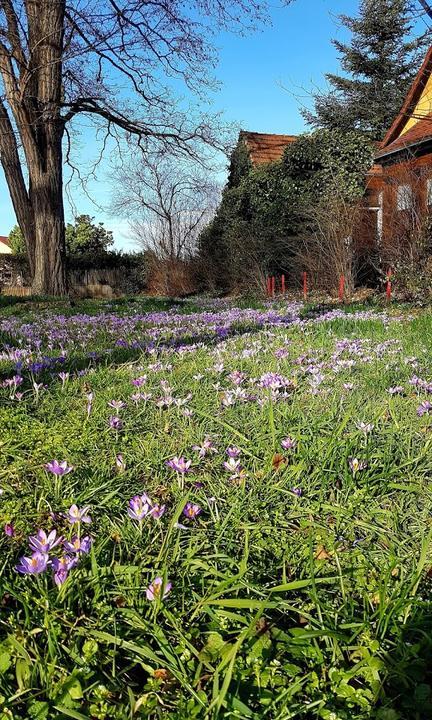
x=5, y=248
x=265, y=148
x=399, y=186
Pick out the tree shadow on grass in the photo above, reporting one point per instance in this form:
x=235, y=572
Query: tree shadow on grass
x=113, y=357
x=407, y=691
x=68, y=306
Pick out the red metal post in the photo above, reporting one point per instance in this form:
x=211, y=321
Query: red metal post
x=268, y=285
x=273, y=286
x=305, y=287
x=341, y=287
x=283, y=284
x=389, y=285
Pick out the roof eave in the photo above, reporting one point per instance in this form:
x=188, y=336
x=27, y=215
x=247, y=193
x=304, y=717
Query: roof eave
x=413, y=96
x=403, y=148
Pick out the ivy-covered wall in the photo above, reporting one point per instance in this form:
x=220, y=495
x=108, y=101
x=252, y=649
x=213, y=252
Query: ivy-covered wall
x=265, y=209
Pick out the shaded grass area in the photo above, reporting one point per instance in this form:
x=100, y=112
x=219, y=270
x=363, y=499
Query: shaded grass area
x=21, y=306
x=284, y=604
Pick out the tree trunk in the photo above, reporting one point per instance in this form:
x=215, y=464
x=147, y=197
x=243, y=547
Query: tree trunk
x=15, y=181
x=46, y=193
x=44, y=150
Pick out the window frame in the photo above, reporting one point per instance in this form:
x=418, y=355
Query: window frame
x=404, y=197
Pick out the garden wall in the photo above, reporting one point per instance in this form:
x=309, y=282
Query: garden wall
x=89, y=276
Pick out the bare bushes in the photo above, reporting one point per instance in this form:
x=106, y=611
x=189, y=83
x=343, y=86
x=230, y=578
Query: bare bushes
x=326, y=247
x=167, y=203
x=170, y=277
x=406, y=246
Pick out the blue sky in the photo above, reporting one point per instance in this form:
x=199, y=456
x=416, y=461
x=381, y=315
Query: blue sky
x=265, y=79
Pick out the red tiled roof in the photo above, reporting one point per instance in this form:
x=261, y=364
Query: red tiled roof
x=265, y=148
x=420, y=132
x=4, y=240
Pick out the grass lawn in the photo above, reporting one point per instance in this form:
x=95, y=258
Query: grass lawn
x=241, y=505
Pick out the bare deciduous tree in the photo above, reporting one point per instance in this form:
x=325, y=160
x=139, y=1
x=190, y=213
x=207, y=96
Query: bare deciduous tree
x=113, y=61
x=168, y=203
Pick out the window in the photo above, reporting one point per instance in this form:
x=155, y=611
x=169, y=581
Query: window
x=380, y=216
x=404, y=197
x=429, y=191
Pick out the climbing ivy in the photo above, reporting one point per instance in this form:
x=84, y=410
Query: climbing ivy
x=264, y=209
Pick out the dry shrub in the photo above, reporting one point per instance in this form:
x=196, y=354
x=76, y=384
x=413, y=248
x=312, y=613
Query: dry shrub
x=252, y=281
x=327, y=249
x=406, y=245
x=170, y=277
x=17, y=291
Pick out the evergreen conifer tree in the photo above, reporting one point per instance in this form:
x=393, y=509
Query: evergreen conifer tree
x=379, y=64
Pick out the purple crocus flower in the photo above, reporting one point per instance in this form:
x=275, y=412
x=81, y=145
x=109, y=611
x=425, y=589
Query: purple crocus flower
x=424, y=408
x=366, y=428
x=180, y=465
x=117, y=404
x=115, y=422
x=191, y=510
x=120, y=463
x=78, y=545
x=157, y=589
x=357, y=465
x=90, y=397
x=34, y=565
x=58, y=468
x=206, y=447
x=61, y=568
x=237, y=377
x=139, y=381
x=233, y=452
x=232, y=465
x=9, y=530
x=289, y=443
x=138, y=397
x=139, y=507
x=78, y=515
x=297, y=491
x=273, y=381
x=43, y=543
x=396, y=390
x=157, y=511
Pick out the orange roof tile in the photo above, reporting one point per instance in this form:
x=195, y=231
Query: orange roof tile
x=420, y=132
x=4, y=240
x=265, y=148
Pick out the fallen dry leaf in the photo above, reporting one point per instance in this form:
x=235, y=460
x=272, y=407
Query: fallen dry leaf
x=278, y=461
x=321, y=553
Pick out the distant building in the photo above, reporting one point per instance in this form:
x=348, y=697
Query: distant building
x=5, y=248
x=265, y=148
x=399, y=186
